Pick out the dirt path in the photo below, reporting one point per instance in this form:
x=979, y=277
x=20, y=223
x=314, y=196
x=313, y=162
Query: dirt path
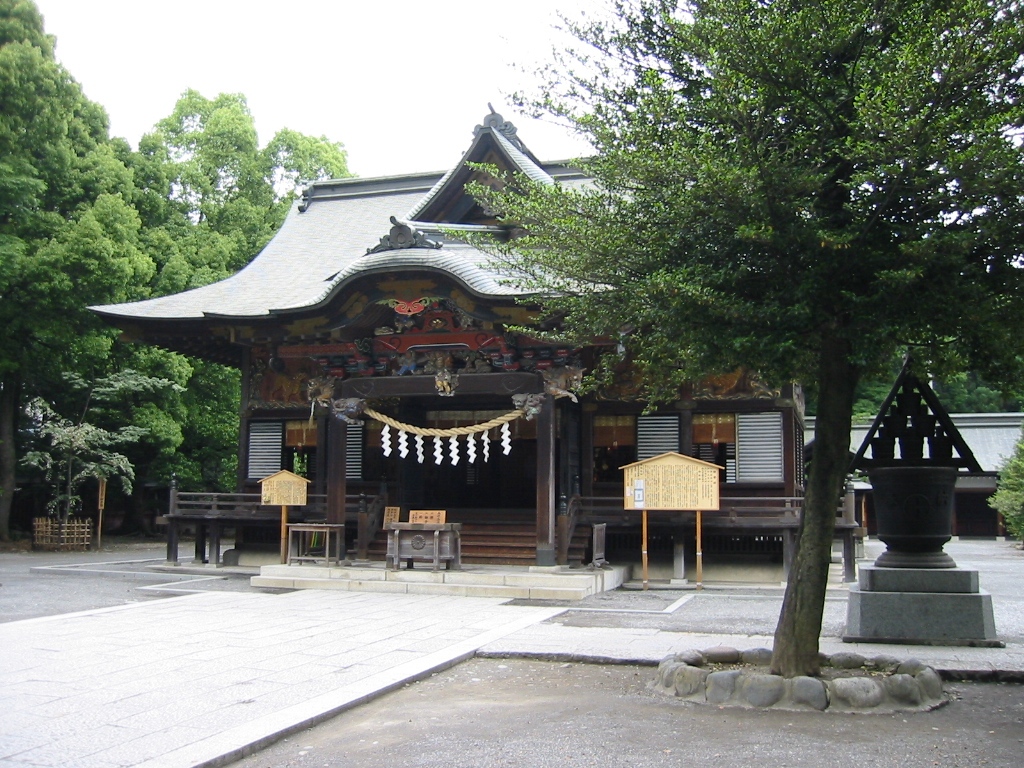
x=524, y=713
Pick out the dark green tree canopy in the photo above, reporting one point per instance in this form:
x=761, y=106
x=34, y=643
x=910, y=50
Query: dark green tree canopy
x=210, y=196
x=802, y=188
x=85, y=219
x=780, y=172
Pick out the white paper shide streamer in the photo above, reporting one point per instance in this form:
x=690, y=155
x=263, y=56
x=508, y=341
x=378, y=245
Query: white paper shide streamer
x=478, y=439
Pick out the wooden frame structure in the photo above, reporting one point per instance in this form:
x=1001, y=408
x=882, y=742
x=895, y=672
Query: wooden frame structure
x=371, y=364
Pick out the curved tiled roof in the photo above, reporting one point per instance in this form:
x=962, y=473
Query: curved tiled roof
x=315, y=252
x=324, y=240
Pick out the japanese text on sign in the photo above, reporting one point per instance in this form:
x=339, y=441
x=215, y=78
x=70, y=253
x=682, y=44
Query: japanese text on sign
x=671, y=486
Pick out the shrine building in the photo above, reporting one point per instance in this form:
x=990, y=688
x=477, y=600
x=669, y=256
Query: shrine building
x=383, y=360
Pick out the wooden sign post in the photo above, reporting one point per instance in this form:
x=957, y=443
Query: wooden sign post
x=282, y=489
x=101, y=503
x=671, y=482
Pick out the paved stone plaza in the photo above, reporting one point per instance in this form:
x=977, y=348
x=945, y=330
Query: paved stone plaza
x=199, y=678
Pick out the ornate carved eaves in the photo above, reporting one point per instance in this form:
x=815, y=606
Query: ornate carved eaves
x=403, y=236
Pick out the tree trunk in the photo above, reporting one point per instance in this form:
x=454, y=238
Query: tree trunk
x=796, y=636
x=10, y=387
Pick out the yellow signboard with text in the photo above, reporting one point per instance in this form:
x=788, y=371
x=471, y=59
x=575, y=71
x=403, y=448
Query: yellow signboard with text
x=283, y=488
x=671, y=481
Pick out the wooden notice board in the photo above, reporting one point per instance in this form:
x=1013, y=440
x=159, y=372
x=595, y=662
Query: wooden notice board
x=671, y=481
x=282, y=489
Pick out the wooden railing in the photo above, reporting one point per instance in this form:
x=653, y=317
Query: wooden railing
x=598, y=558
x=768, y=513
x=213, y=512
x=740, y=510
x=243, y=506
x=239, y=506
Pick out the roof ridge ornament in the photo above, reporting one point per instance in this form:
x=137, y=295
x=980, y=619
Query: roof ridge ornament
x=403, y=236
x=505, y=127
x=305, y=196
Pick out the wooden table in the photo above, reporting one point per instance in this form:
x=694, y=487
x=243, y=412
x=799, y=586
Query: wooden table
x=424, y=542
x=301, y=537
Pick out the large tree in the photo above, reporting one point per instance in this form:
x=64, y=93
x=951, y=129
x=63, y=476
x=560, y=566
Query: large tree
x=800, y=187
x=210, y=196
x=68, y=235
x=85, y=220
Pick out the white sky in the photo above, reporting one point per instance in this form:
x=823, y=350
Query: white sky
x=401, y=83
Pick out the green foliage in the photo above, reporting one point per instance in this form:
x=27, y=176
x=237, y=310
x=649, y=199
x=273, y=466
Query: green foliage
x=67, y=236
x=207, y=458
x=771, y=174
x=210, y=196
x=72, y=450
x=805, y=189
x=968, y=393
x=86, y=220
x=1008, y=499
x=958, y=393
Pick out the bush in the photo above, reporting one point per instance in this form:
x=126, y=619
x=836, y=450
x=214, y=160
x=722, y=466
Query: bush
x=1008, y=499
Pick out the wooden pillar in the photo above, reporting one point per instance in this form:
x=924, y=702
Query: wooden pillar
x=686, y=432
x=242, y=471
x=546, y=483
x=679, y=538
x=336, y=486
x=789, y=537
x=322, y=450
x=587, y=450
x=790, y=434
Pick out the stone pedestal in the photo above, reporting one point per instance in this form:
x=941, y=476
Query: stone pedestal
x=920, y=606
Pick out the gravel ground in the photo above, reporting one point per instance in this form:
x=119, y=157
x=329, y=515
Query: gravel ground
x=528, y=713
x=34, y=584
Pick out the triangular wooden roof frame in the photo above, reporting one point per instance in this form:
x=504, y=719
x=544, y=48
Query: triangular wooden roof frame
x=908, y=380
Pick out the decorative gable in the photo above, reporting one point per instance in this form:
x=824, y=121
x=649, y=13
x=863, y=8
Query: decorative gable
x=495, y=143
x=913, y=420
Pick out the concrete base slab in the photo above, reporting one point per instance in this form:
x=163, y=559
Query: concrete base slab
x=509, y=582
x=874, y=579
x=920, y=618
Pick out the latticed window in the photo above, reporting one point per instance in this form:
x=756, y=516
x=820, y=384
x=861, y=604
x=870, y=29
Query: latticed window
x=748, y=445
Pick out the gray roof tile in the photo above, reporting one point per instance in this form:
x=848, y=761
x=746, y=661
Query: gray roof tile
x=313, y=253
x=324, y=241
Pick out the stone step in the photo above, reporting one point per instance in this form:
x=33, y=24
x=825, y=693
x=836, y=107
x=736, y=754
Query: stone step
x=520, y=582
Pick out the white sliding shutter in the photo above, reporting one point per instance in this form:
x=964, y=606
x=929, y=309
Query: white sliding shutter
x=759, y=447
x=265, y=441
x=354, y=452
x=656, y=435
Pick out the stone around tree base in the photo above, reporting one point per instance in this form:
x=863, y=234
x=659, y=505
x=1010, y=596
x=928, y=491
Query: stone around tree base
x=849, y=683
x=920, y=618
